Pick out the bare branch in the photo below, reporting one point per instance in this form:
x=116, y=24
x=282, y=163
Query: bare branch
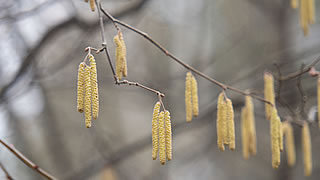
x=5, y=172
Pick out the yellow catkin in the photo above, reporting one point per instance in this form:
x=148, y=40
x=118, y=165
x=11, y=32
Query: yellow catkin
x=94, y=88
x=123, y=56
x=268, y=93
x=224, y=125
x=318, y=92
x=311, y=12
x=195, y=98
x=88, y=97
x=251, y=126
x=304, y=16
x=280, y=134
x=188, y=96
x=80, y=87
x=155, y=129
x=162, y=139
x=307, y=154
x=230, y=125
x=290, y=145
x=119, y=52
x=167, y=119
x=220, y=120
x=92, y=5
x=294, y=4
x=244, y=133
x=274, y=133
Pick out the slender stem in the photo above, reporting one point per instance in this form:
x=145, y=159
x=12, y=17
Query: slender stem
x=26, y=161
x=187, y=66
x=5, y=172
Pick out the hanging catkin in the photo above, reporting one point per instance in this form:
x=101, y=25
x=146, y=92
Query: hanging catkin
x=268, y=93
x=92, y=5
x=311, y=12
x=162, y=139
x=307, y=153
x=304, y=16
x=244, y=133
x=88, y=97
x=294, y=4
x=275, y=140
x=119, y=56
x=230, y=125
x=195, y=98
x=155, y=129
x=290, y=147
x=123, y=55
x=167, y=119
x=94, y=86
x=280, y=135
x=318, y=92
x=251, y=126
x=188, y=96
x=80, y=87
x=221, y=115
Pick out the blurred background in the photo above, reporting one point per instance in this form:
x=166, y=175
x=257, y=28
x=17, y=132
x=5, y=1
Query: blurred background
x=42, y=43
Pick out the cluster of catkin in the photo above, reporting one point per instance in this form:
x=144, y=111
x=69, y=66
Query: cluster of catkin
x=225, y=123
x=307, y=13
x=161, y=134
x=248, y=129
x=92, y=4
x=87, y=95
x=191, y=97
x=121, y=56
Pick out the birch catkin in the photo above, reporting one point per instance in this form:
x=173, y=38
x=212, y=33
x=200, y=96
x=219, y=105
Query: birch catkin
x=195, y=98
x=155, y=129
x=275, y=133
x=88, y=97
x=230, y=125
x=162, y=139
x=318, y=92
x=167, y=119
x=188, y=96
x=268, y=93
x=80, y=87
x=94, y=86
x=290, y=145
x=220, y=120
x=119, y=55
x=244, y=134
x=307, y=153
x=92, y=5
x=251, y=126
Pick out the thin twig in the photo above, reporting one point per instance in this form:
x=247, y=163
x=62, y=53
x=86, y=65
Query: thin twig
x=187, y=66
x=5, y=172
x=141, y=86
x=26, y=161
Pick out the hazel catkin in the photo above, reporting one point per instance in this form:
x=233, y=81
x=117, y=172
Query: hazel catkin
x=251, y=127
x=221, y=115
x=244, y=134
x=155, y=130
x=188, y=96
x=162, y=139
x=230, y=125
x=268, y=93
x=307, y=153
x=275, y=140
x=80, y=91
x=167, y=119
x=92, y=5
x=87, y=97
x=94, y=87
x=195, y=98
x=290, y=145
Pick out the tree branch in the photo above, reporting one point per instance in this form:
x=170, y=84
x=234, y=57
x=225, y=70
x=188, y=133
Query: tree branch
x=5, y=172
x=26, y=161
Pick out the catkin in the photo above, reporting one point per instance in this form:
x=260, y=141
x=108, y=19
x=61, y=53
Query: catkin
x=94, y=86
x=280, y=134
x=80, y=87
x=268, y=93
x=318, y=92
x=294, y=4
x=162, y=139
x=155, y=129
x=307, y=153
x=167, y=119
x=220, y=121
x=119, y=55
x=195, y=98
x=230, y=125
x=244, y=133
x=92, y=5
x=88, y=97
x=311, y=12
x=304, y=16
x=251, y=126
x=188, y=96
x=290, y=147
x=275, y=133
x=123, y=56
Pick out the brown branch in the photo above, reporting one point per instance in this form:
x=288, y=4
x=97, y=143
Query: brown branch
x=187, y=66
x=26, y=161
x=299, y=72
x=5, y=172
x=105, y=48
